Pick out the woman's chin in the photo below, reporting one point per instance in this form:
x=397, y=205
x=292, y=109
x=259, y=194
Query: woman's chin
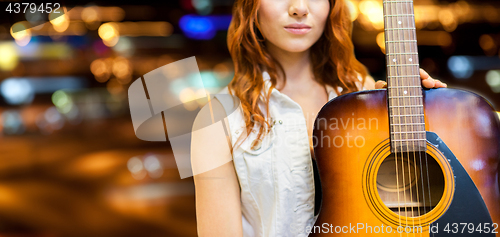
x=296, y=47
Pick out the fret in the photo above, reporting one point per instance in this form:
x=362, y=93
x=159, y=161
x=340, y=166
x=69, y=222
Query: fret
x=405, y=96
x=404, y=76
x=401, y=65
x=392, y=50
x=408, y=132
x=395, y=87
x=400, y=41
x=389, y=54
x=405, y=106
x=397, y=1
x=410, y=124
x=401, y=29
x=399, y=15
x=405, y=140
x=406, y=115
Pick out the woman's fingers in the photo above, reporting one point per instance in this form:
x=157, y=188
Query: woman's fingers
x=380, y=84
x=429, y=82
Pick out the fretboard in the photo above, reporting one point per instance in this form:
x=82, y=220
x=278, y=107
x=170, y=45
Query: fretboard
x=404, y=91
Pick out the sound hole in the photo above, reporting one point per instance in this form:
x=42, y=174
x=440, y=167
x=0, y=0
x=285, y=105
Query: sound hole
x=413, y=187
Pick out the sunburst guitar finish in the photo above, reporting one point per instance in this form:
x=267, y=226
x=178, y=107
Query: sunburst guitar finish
x=403, y=161
x=450, y=191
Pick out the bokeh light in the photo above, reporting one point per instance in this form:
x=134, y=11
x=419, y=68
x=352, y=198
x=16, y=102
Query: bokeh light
x=59, y=21
x=21, y=33
x=9, y=56
x=17, y=91
x=493, y=80
x=109, y=34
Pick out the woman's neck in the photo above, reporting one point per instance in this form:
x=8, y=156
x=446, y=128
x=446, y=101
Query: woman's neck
x=297, y=66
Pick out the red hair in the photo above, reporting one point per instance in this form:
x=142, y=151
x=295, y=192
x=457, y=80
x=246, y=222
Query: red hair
x=332, y=56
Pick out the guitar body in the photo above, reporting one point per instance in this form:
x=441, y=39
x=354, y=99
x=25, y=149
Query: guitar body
x=459, y=182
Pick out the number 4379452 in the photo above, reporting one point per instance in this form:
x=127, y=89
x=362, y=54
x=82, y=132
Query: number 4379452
x=33, y=7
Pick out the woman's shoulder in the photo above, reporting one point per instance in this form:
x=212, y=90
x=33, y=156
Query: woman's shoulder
x=369, y=82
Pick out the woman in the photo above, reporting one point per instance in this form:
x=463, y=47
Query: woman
x=291, y=57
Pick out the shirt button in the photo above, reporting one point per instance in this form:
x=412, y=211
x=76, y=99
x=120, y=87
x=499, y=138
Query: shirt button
x=256, y=145
x=281, y=122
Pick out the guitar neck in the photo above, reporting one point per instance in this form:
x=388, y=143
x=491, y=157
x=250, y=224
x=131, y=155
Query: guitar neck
x=404, y=91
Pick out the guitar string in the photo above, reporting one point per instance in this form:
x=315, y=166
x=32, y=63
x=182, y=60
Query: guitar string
x=393, y=33
x=416, y=100
x=426, y=160
x=404, y=127
x=408, y=124
x=387, y=8
x=411, y=35
x=419, y=119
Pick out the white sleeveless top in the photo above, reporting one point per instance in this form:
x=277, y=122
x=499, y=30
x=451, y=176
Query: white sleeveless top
x=276, y=177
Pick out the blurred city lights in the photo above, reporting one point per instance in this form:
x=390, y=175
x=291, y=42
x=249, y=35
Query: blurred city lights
x=447, y=19
x=89, y=14
x=488, y=44
x=434, y=38
x=114, y=87
x=203, y=27
x=99, y=14
x=62, y=101
x=353, y=9
x=493, y=80
x=136, y=167
x=177, y=86
x=122, y=70
x=461, y=67
x=203, y=7
x=17, y=91
x=120, y=67
x=21, y=33
x=188, y=98
x=222, y=70
x=101, y=69
x=12, y=122
x=197, y=27
x=448, y=15
x=54, y=118
x=153, y=166
x=34, y=18
x=374, y=11
x=109, y=34
x=124, y=47
x=59, y=21
x=381, y=41
x=144, y=28
x=9, y=58
x=209, y=80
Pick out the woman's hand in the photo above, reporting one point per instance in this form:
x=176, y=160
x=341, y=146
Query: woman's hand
x=427, y=82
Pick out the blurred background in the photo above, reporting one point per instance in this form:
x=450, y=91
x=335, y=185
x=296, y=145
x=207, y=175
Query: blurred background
x=70, y=163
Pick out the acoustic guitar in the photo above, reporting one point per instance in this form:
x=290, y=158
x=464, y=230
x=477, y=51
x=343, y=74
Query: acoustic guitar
x=407, y=161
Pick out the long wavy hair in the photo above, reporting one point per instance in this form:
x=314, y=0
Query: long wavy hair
x=332, y=56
